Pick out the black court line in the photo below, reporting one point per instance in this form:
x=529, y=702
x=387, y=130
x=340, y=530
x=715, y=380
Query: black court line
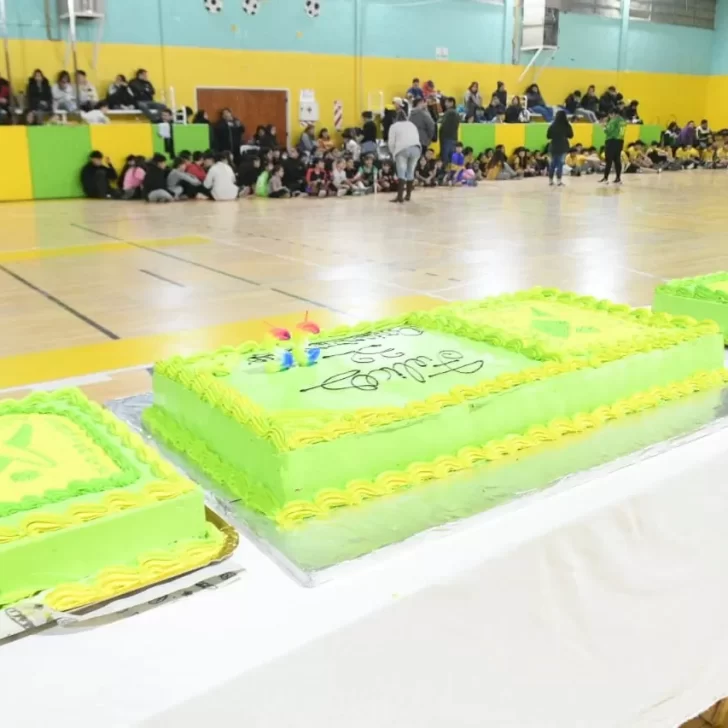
x=97, y=232
x=195, y=263
x=208, y=267
x=101, y=329
x=161, y=278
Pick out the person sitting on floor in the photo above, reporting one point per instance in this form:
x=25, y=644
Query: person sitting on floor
x=96, y=178
x=688, y=156
x=248, y=173
x=317, y=179
x=276, y=188
x=195, y=167
x=703, y=135
x=721, y=155
x=132, y=182
x=294, y=172
x=181, y=183
x=220, y=180
x=154, y=188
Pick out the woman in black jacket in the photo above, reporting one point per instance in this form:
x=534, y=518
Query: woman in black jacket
x=227, y=135
x=38, y=92
x=559, y=133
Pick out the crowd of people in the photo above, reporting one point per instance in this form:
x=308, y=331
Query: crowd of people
x=521, y=109
x=46, y=102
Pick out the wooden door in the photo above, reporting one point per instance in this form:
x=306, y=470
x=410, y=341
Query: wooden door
x=254, y=107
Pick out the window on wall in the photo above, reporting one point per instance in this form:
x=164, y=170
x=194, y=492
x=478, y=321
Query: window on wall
x=695, y=13
x=605, y=8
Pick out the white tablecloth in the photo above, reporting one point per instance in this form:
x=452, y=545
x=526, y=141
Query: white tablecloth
x=605, y=605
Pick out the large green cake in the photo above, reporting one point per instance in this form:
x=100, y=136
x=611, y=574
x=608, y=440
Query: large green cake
x=704, y=297
x=398, y=403
x=87, y=510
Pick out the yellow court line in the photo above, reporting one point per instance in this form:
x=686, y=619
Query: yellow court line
x=44, y=366
x=123, y=246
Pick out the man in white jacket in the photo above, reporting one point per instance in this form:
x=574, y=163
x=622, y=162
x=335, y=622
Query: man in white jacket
x=220, y=180
x=404, y=146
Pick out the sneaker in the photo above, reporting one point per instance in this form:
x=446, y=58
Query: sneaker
x=551, y=183
x=341, y=192
x=604, y=180
x=617, y=181
x=560, y=183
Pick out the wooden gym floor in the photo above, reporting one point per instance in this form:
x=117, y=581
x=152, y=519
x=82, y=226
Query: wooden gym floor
x=91, y=293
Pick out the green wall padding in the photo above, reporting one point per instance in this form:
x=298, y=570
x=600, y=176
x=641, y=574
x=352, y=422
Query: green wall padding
x=477, y=136
x=597, y=136
x=189, y=137
x=650, y=133
x=54, y=150
x=536, y=136
x=192, y=137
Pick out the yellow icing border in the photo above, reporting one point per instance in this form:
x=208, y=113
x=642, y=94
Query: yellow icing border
x=113, y=581
x=41, y=523
x=170, y=484
x=242, y=409
x=418, y=473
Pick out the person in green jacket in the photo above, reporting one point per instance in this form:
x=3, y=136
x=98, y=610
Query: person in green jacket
x=613, y=146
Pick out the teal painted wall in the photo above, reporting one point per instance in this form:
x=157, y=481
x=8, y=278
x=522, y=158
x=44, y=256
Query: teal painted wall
x=472, y=31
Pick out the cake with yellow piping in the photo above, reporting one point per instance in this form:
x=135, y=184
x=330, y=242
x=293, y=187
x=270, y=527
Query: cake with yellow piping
x=394, y=404
x=702, y=297
x=86, y=508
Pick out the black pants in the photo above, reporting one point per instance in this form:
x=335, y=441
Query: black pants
x=613, y=155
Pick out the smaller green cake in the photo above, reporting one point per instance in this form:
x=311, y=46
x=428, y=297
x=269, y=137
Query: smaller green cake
x=703, y=297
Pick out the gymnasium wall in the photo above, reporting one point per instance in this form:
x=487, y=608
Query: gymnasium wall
x=345, y=54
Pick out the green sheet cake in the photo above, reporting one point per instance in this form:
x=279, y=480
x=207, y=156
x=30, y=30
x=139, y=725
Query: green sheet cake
x=87, y=510
x=397, y=403
x=704, y=297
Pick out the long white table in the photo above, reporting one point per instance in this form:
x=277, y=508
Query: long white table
x=603, y=605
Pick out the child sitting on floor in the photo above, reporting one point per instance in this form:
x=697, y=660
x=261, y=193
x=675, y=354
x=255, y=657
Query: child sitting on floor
x=424, y=176
x=339, y=180
x=195, y=167
x=248, y=173
x=574, y=161
x=457, y=163
x=133, y=179
x=688, y=156
x=317, y=181
x=276, y=187
x=721, y=156
x=367, y=176
x=387, y=178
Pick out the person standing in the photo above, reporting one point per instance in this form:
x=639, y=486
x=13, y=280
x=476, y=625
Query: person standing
x=560, y=132
x=613, y=145
x=404, y=146
x=228, y=134
x=421, y=118
x=449, y=127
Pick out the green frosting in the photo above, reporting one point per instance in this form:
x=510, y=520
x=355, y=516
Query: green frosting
x=640, y=353
x=704, y=297
x=70, y=532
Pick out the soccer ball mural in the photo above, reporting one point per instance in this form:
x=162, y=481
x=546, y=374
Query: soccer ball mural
x=313, y=8
x=251, y=7
x=213, y=6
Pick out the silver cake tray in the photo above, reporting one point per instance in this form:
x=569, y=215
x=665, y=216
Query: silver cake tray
x=320, y=549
